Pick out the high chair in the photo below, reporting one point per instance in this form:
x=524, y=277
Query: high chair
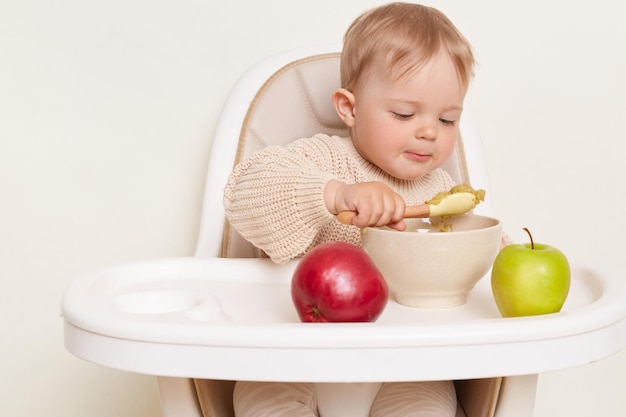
x=203, y=322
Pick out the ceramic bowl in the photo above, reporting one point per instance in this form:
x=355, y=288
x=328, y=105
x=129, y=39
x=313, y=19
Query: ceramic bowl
x=434, y=263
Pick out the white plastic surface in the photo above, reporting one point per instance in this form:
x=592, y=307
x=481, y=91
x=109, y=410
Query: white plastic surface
x=233, y=319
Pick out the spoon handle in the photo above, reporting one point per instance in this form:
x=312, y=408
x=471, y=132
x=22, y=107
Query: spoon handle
x=417, y=212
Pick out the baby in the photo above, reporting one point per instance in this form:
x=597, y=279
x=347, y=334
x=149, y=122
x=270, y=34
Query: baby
x=405, y=70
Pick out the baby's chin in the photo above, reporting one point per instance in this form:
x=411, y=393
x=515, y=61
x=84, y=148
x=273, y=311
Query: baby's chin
x=404, y=170
x=406, y=176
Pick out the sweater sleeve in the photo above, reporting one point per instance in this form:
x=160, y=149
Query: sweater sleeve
x=275, y=198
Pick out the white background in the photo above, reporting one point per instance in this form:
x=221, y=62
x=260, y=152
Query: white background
x=106, y=114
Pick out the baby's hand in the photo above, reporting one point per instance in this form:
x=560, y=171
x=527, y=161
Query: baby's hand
x=375, y=203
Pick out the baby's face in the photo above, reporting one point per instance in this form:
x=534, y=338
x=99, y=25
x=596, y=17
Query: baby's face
x=408, y=127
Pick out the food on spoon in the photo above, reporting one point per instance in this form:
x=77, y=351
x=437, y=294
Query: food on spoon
x=458, y=200
x=461, y=188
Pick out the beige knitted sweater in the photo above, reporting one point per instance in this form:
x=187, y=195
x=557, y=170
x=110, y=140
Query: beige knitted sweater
x=275, y=198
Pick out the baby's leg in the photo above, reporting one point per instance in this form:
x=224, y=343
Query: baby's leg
x=274, y=399
x=415, y=399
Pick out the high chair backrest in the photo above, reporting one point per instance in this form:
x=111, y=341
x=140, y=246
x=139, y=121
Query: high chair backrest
x=286, y=97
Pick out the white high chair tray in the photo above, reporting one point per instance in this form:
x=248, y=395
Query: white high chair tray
x=233, y=319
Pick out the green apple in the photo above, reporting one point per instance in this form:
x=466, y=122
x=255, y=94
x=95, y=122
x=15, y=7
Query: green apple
x=530, y=279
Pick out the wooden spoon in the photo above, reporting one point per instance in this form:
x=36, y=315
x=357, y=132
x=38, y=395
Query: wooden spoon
x=451, y=205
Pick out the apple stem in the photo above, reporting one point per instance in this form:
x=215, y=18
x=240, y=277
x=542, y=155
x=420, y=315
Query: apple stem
x=532, y=243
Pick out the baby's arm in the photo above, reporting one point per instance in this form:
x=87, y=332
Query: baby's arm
x=275, y=200
x=375, y=203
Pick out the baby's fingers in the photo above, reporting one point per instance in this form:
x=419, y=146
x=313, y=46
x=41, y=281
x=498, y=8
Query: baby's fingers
x=401, y=225
x=387, y=212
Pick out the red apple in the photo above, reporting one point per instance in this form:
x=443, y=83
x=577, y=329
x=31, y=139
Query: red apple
x=338, y=282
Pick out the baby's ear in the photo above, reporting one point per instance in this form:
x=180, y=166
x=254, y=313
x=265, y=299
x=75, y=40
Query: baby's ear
x=345, y=106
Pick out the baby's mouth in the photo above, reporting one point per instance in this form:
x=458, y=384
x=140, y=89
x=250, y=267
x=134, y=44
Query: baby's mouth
x=419, y=157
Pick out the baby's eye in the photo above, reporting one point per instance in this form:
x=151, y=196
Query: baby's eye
x=402, y=116
x=448, y=122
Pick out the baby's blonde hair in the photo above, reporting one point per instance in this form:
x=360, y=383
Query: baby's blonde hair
x=400, y=38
